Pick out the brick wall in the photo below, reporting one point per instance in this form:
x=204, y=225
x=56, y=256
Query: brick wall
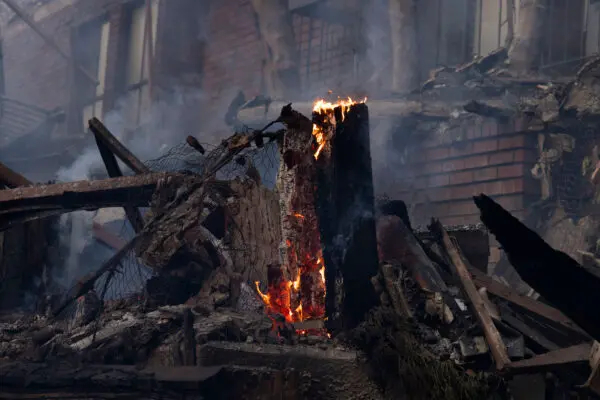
x=488, y=157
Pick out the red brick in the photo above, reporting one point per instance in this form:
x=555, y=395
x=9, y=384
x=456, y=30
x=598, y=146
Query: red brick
x=462, y=149
x=438, y=180
x=458, y=178
x=503, y=157
x=485, y=174
x=511, y=142
x=511, y=171
x=525, y=156
x=485, y=146
x=453, y=165
x=489, y=128
x=472, y=131
x=476, y=161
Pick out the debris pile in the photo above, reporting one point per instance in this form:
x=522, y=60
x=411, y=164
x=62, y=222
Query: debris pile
x=291, y=291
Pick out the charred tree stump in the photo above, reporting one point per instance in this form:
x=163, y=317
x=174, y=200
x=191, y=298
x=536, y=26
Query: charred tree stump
x=345, y=209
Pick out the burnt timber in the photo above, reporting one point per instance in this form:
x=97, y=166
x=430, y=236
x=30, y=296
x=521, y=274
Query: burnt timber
x=346, y=211
x=109, y=146
x=82, y=195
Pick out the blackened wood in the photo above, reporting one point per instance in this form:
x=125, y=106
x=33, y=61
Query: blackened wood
x=346, y=212
x=116, y=147
x=492, y=335
x=553, y=274
x=83, y=195
x=12, y=179
x=578, y=354
x=112, y=167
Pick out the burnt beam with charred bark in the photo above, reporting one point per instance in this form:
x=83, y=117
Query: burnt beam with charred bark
x=346, y=213
x=82, y=195
x=553, y=274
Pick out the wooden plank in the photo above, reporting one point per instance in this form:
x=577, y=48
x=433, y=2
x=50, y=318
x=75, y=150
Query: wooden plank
x=88, y=195
x=116, y=147
x=11, y=178
x=112, y=167
x=500, y=290
x=492, y=335
x=558, y=358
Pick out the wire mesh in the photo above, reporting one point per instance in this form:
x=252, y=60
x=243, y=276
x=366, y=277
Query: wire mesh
x=128, y=279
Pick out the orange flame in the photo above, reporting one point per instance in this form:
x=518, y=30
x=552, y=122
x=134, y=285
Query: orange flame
x=326, y=108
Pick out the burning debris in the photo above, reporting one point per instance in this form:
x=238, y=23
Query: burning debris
x=300, y=286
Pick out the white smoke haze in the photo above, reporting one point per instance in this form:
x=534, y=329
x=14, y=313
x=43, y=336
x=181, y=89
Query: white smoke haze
x=180, y=113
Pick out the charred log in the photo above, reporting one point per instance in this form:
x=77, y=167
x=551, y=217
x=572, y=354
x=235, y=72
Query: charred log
x=553, y=274
x=346, y=213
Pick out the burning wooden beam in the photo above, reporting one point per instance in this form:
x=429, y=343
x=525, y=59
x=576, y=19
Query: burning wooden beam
x=346, y=213
x=83, y=195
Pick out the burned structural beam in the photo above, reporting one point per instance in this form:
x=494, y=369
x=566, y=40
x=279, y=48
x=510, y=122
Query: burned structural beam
x=103, y=138
x=83, y=195
x=553, y=274
x=12, y=179
x=346, y=213
x=116, y=147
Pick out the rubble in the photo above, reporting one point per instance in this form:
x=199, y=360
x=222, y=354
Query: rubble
x=430, y=324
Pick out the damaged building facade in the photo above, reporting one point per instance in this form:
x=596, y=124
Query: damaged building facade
x=188, y=55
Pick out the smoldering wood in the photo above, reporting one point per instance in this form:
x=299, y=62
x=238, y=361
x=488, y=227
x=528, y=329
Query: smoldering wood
x=346, y=214
x=553, y=274
x=83, y=195
x=112, y=167
x=403, y=34
x=492, y=335
x=116, y=147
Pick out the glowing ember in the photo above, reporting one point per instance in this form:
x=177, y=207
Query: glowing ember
x=325, y=109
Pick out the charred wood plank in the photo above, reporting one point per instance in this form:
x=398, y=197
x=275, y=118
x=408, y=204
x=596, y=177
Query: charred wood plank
x=83, y=195
x=492, y=335
x=553, y=274
x=398, y=244
x=346, y=212
x=566, y=357
x=12, y=179
x=103, y=136
x=116, y=147
x=500, y=290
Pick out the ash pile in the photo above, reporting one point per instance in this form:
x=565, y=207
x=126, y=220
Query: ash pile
x=274, y=290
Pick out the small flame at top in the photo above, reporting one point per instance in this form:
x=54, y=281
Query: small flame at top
x=323, y=107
